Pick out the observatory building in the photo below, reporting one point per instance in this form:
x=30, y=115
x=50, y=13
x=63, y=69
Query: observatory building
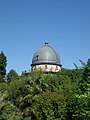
x=46, y=59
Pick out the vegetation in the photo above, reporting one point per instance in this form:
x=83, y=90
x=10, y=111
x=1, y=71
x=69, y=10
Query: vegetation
x=3, y=64
x=40, y=96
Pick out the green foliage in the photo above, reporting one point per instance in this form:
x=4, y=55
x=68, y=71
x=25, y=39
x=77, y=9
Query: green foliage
x=88, y=62
x=50, y=106
x=8, y=111
x=83, y=63
x=12, y=75
x=40, y=96
x=86, y=77
x=3, y=64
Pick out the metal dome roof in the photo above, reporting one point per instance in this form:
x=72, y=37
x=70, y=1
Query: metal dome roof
x=46, y=55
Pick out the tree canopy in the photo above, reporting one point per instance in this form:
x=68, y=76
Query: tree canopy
x=40, y=96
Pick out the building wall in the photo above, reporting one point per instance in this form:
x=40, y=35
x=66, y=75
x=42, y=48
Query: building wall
x=47, y=68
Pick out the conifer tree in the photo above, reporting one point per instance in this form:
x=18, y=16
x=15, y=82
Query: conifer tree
x=3, y=64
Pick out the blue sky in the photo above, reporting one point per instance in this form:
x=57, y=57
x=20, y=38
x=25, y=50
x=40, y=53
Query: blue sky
x=26, y=24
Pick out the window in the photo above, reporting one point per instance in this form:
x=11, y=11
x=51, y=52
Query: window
x=37, y=57
x=56, y=67
x=45, y=66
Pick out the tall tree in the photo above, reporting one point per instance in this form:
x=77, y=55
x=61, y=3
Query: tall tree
x=3, y=64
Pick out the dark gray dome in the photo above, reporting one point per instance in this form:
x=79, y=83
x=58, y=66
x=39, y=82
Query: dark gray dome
x=46, y=55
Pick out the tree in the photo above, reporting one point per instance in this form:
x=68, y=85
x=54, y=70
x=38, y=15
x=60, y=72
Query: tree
x=86, y=77
x=3, y=64
x=49, y=106
x=12, y=75
x=40, y=96
x=88, y=62
x=78, y=106
x=8, y=111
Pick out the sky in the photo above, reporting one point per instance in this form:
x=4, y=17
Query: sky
x=25, y=25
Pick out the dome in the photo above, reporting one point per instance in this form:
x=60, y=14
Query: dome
x=46, y=55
